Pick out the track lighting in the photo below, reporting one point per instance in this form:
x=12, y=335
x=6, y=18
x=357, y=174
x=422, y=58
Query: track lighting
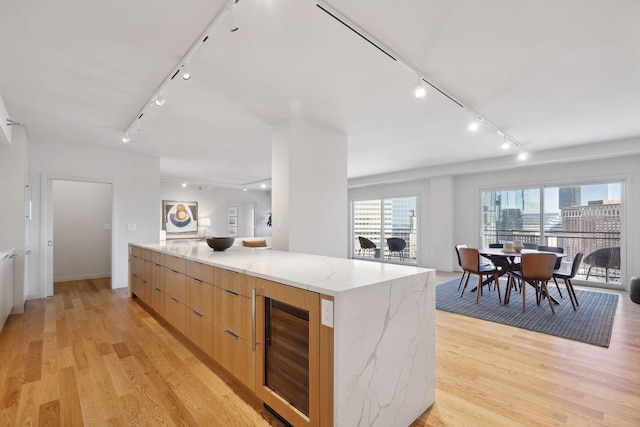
x=126, y=138
x=186, y=73
x=263, y=185
x=184, y=185
x=475, y=124
x=232, y=24
x=419, y=91
x=244, y=189
x=505, y=144
x=160, y=100
x=523, y=155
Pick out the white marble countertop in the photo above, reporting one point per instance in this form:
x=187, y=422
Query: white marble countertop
x=6, y=252
x=322, y=274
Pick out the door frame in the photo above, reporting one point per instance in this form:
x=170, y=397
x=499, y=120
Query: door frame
x=46, y=225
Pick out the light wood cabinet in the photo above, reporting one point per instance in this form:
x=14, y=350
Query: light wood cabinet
x=175, y=312
x=199, y=330
x=235, y=355
x=200, y=296
x=174, y=284
x=200, y=271
x=239, y=283
x=232, y=312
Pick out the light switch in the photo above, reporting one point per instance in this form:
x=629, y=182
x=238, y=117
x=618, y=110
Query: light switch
x=327, y=312
x=131, y=227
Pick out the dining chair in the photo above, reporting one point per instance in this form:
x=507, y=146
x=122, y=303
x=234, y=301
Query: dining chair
x=537, y=270
x=558, y=264
x=567, y=276
x=464, y=272
x=470, y=262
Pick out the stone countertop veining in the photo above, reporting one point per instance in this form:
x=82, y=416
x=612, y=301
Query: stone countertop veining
x=322, y=274
x=6, y=252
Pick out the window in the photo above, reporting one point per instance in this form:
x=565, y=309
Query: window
x=378, y=220
x=578, y=218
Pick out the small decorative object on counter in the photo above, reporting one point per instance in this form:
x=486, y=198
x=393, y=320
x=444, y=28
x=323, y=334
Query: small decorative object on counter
x=220, y=243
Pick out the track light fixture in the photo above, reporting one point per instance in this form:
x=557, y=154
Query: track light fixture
x=475, y=124
x=160, y=100
x=505, y=144
x=244, y=189
x=186, y=73
x=126, y=138
x=419, y=90
x=523, y=155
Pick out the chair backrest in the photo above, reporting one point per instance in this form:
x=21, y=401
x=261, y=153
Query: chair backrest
x=528, y=245
x=604, y=257
x=576, y=264
x=470, y=259
x=555, y=249
x=366, y=243
x=538, y=266
x=458, y=247
x=496, y=245
x=254, y=243
x=396, y=243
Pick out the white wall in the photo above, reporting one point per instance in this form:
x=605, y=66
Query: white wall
x=213, y=204
x=136, y=191
x=81, y=230
x=13, y=170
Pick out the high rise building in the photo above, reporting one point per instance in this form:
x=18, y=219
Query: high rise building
x=568, y=196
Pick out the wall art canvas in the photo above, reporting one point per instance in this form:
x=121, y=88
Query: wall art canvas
x=180, y=218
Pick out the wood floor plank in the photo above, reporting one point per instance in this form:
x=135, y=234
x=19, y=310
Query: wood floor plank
x=49, y=414
x=70, y=408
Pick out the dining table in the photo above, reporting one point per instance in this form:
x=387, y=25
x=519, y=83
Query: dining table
x=507, y=260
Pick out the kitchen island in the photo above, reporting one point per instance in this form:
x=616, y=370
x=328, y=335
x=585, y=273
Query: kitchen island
x=371, y=326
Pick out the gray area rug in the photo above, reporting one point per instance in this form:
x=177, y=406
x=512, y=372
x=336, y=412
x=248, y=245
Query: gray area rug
x=591, y=323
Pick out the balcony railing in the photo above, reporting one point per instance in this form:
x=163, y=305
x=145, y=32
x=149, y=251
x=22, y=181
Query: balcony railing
x=382, y=250
x=572, y=242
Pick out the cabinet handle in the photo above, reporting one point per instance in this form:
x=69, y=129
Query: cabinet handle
x=173, y=270
x=253, y=319
x=231, y=334
x=235, y=294
x=197, y=314
x=173, y=299
x=231, y=271
x=197, y=280
x=158, y=289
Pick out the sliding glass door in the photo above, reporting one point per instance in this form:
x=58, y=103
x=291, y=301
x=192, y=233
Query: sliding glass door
x=579, y=218
x=385, y=229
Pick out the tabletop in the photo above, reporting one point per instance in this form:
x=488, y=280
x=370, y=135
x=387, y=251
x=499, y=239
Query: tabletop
x=500, y=252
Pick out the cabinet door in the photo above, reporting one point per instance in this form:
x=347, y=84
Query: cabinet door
x=288, y=334
x=235, y=355
x=174, y=284
x=236, y=282
x=200, y=297
x=175, y=313
x=233, y=313
x=200, y=331
x=200, y=271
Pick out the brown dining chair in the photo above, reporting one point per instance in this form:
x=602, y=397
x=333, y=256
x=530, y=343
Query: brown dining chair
x=567, y=276
x=470, y=262
x=537, y=269
x=558, y=264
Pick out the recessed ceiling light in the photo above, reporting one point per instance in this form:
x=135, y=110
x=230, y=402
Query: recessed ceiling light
x=264, y=186
x=184, y=184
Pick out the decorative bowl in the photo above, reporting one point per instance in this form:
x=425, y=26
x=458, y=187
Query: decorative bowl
x=220, y=243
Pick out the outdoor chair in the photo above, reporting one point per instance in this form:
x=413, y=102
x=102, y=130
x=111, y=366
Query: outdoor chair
x=396, y=244
x=604, y=258
x=365, y=245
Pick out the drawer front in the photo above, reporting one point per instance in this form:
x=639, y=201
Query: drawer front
x=175, y=312
x=174, y=263
x=157, y=300
x=200, y=331
x=200, y=271
x=236, y=282
x=235, y=355
x=200, y=297
x=147, y=270
x=136, y=286
x=134, y=250
x=174, y=284
x=233, y=312
x=146, y=254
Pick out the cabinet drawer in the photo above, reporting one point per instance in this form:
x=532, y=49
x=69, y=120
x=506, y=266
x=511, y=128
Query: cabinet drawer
x=236, y=282
x=235, y=355
x=146, y=254
x=157, y=300
x=134, y=250
x=200, y=331
x=174, y=284
x=175, y=313
x=174, y=263
x=200, y=297
x=233, y=312
x=200, y=271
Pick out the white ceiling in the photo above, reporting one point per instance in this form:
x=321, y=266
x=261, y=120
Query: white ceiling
x=550, y=74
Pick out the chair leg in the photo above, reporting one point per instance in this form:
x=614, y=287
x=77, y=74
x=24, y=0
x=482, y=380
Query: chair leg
x=479, y=291
x=554, y=279
x=465, y=284
x=464, y=273
x=495, y=277
x=589, y=272
x=523, y=287
x=571, y=292
x=543, y=287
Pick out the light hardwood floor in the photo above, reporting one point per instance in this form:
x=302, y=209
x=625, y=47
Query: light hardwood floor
x=92, y=356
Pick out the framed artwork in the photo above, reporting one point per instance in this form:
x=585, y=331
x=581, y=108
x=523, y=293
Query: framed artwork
x=233, y=231
x=233, y=211
x=180, y=218
x=233, y=220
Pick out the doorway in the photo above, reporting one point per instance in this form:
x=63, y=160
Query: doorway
x=77, y=226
